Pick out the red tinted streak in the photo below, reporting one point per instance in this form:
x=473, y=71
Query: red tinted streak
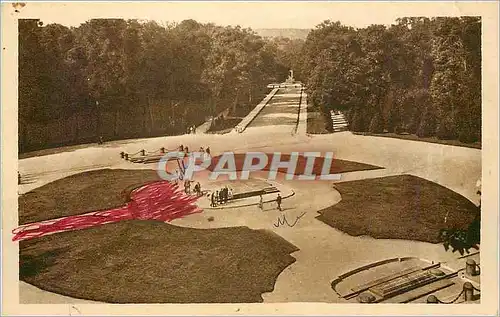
x=162, y=201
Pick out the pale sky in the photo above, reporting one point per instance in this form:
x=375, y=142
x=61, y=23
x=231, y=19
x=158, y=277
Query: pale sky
x=247, y=14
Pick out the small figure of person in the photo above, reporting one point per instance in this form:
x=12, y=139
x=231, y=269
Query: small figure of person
x=101, y=140
x=18, y=178
x=181, y=148
x=208, y=150
x=217, y=201
x=221, y=196
x=198, y=189
x=194, y=129
x=278, y=201
x=187, y=186
x=177, y=176
x=226, y=194
x=212, y=200
x=478, y=192
x=261, y=203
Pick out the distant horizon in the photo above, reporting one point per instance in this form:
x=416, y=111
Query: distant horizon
x=161, y=22
x=262, y=15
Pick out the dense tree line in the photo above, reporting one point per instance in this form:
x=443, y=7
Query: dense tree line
x=126, y=78
x=420, y=76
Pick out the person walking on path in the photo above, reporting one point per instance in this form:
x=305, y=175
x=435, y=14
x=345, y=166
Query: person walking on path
x=212, y=198
x=261, y=203
x=197, y=189
x=221, y=196
x=278, y=201
x=187, y=186
x=226, y=194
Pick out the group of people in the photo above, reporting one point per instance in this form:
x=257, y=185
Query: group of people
x=192, y=129
x=206, y=151
x=179, y=173
x=185, y=149
x=221, y=196
x=196, y=188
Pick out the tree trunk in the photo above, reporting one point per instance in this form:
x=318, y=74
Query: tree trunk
x=235, y=103
x=151, y=118
x=75, y=126
x=144, y=117
x=115, y=132
x=22, y=128
x=99, y=123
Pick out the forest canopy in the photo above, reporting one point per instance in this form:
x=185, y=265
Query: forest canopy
x=420, y=76
x=127, y=78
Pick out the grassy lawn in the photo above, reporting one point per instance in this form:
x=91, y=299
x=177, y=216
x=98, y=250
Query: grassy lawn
x=398, y=207
x=154, y=262
x=142, y=261
x=225, y=126
x=110, y=188
x=81, y=193
x=337, y=166
x=315, y=121
x=413, y=137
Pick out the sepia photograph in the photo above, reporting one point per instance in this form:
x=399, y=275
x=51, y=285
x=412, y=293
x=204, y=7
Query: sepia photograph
x=250, y=153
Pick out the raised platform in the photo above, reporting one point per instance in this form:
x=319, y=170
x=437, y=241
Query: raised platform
x=402, y=280
x=245, y=193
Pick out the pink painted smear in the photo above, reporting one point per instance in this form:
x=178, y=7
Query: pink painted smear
x=162, y=201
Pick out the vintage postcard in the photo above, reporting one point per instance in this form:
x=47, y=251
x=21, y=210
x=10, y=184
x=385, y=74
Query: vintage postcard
x=250, y=158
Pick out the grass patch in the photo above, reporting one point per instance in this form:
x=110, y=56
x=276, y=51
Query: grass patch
x=225, y=125
x=343, y=166
x=413, y=137
x=110, y=188
x=337, y=166
x=153, y=262
x=81, y=193
x=316, y=123
x=142, y=261
x=398, y=207
x=277, y=110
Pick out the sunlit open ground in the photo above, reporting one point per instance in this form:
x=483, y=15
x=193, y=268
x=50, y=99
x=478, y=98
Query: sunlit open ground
x=324, y=252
